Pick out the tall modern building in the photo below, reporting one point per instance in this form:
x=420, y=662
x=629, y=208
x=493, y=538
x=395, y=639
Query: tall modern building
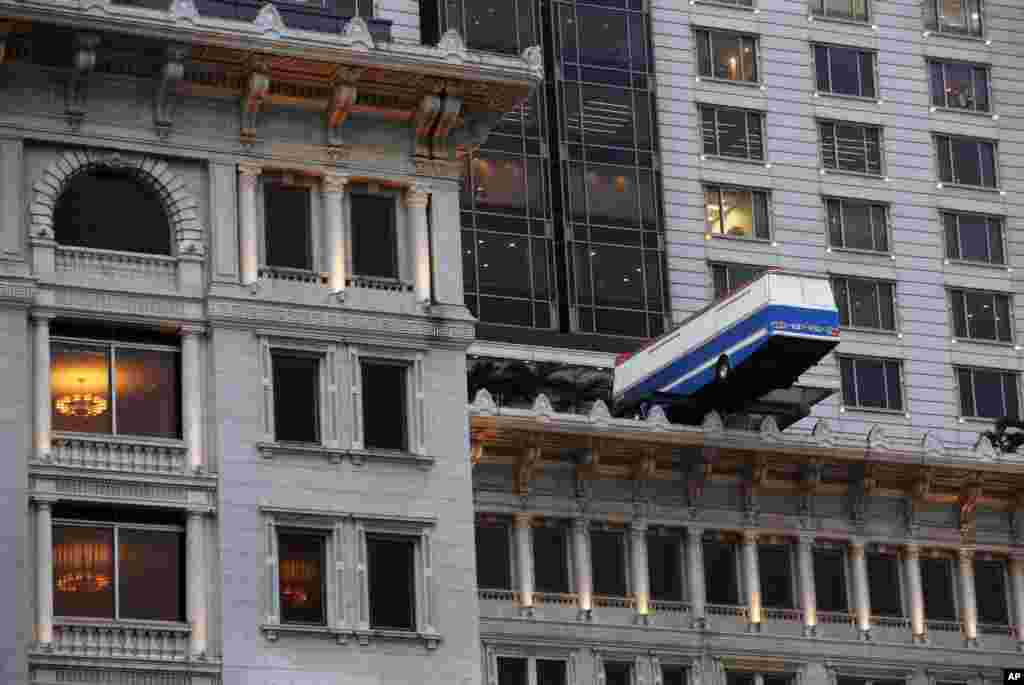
x=309, y=311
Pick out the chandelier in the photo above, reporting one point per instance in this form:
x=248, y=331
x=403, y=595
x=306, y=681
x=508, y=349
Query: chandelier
x=296, y=576
x=82, y=566
x=81, y=403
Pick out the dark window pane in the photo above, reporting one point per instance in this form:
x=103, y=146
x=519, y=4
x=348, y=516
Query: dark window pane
x=981, y=315
x=967, y=162
x=937, y=586
x=879, y=228
x=374, y=247
x=893, y=386
x=391, y=567
x=618, y=673
x=739, y=678
x=845, y=71
x=149, y=560
x=953, y=238
x=981, y=89
x=835, y=223
x=551, y=672
x=867, y=74
x=110, y=209
x=384, y=405
x=720, y=573
x=296, y=397
x=870, y=383
x=617, y=273
x=663, y=555
x=673, y=675
x=512, y=671
x=848, y=381
x=500, y=183
x=286, y=227
x=938, y=85
x=720, y=280
x=1003, y=328
x=887, y=307
x=653, y=280
x=762, y=227
x=732, y=132
x=830, y=580
x=549, y=560
x=612, y=195
x=493, y=570
x=502, y=263
x=83, y=572
x=884, y=585
x=755, y=141
x=945, y=161
x=959, y=314
x=607, y=554
x=989, y=397
x=995, y=241
x=1010, y=395
x=990, y=587
x=146, y=383
x=80, y=389
x=960, y=86
x=821, y=68
x=988, y=164
x=864, y=311
x=857, y=225
x=605, y=39
x=704, y=52
x=709, y=130
x=965, y=384
x=506, y=311
x=776, y=576
x=842, y=294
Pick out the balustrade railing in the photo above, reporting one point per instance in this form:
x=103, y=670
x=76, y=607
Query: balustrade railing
x=945, y=626
x=771, y=614
x=386, y=284
x=137, y=640
x=996, y=629
x=281, y=273
x=835, y=617
x=158, y=270
x=609, y=601
x=118, y=453
x=901, y=622
x=564, y=599
x=499, y=595
x=669, y=607
x=727, y=610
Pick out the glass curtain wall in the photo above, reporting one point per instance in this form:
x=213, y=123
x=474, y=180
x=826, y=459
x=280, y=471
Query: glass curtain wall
x=561, y=210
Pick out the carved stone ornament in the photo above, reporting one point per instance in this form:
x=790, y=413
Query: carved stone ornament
x=770, y=429
x=356, y=35
x=656, y=416
x=181, y=207
x=534, y=58
x=599, y=412
x=931, y=445
x=877, y=439
x=712, y=422
x=542, y=406
x=452, y=48
x=822, y=433
x=983, y=449
x=483, y=402
x=269, y=21
x=184, y=10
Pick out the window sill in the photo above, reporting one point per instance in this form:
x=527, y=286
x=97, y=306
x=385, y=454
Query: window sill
x=741, y=160
x=972, y=262
x=745, y=84
x=939, y=33
x=729, y=5
x=845, y=409
x=987, y=343
x=269, y=450
x=825, y=171
x=960, y=186
x=745, y=239
x=976, y=419
x=875, y=331
x=430, y=639
x=858, y=251
x=818, y=94
x=813, y=17
x=131, y=623
x=964, y=110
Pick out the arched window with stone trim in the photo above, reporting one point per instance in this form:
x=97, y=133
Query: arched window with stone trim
x=112, y=208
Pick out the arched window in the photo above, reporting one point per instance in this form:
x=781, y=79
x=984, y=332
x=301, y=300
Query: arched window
x=112, y=209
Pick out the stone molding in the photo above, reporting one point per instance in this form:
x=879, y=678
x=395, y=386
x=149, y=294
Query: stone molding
x=56, y=483
x=179, y=204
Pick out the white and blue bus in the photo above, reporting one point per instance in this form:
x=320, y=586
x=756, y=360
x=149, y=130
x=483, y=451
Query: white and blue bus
x=752, y=341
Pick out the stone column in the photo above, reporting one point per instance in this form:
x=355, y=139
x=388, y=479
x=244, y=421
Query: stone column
x=524, y=556
x=581, y=560
x=695, y=576
x=197, y=582
x=752, y=577
x=808, y=599
x=334, y=225
x=44, y=574
x=42, y=387
x=192, y=399
x=638, y=557
x=249, y=253
x=911, y=556
x=1017, y=583
x=861, y=590
x=419, y=240
x=968, y=603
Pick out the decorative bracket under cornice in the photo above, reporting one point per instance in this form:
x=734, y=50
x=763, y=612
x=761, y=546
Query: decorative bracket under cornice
x=5, y=32
x=528, y=464
x=450, y=109
x=256, y=91
x=968, y=505
x=173, y=71
x=343, y=96
x=424, y=121
x=77, y=90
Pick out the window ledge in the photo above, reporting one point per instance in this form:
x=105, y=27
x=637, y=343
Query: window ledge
x=975, y=419
x=855, y=250
x=430, y=639
x=742, y=160
x=712, y=3
x=975, y=262
x=961, y=186
x=843, y=409
x=813, y=17
x=1008, y=345
x=843, y=96
x=358, y=457
x=745, y=239
x=760, y=85
x=855, y=174
x=272, y=631
x=964, y=110
x=129, y=623
x=269, y=450
x=893, y=333
x=939, y=33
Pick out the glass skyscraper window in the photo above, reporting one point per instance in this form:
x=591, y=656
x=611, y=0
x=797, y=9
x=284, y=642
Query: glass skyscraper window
x=561, y=219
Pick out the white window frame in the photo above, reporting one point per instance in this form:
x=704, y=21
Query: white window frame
x=710, y=186
x=329, y=398
x=419, y=531
x=415, y=406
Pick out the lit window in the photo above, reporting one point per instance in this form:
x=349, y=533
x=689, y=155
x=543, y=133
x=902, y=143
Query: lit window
x=727, y=56
x=115, y=387
x=301, y=577
x=737, y=212
x=391, y=567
